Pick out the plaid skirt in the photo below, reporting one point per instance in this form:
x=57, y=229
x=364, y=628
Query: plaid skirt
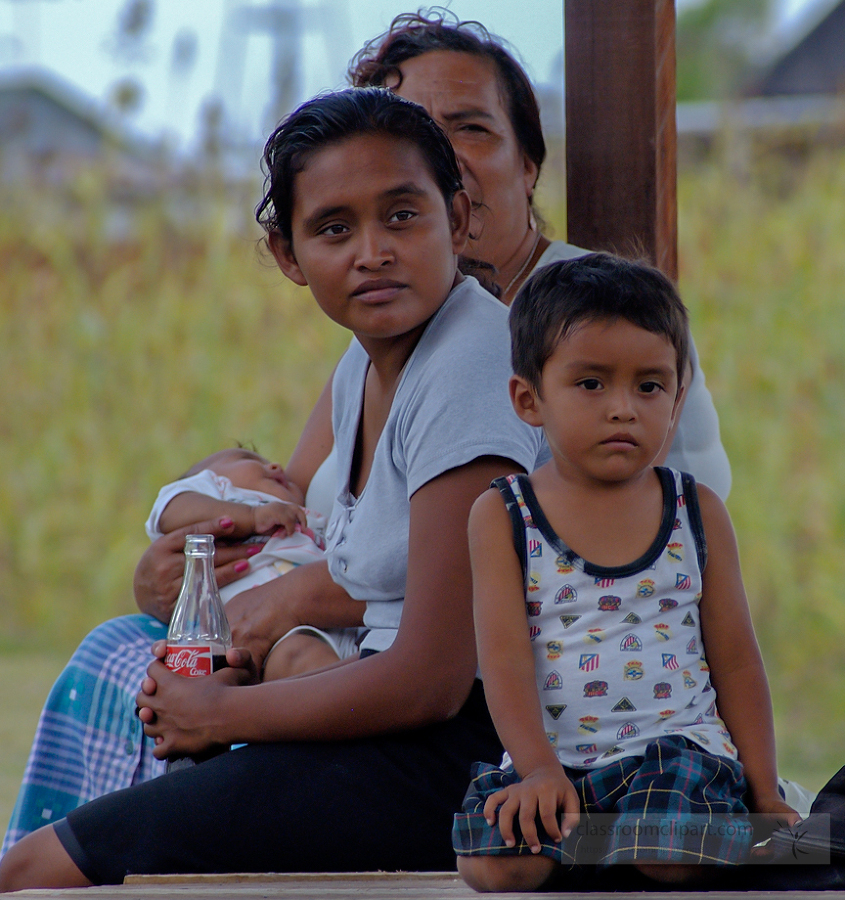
x=89, y=741
x=676, y=804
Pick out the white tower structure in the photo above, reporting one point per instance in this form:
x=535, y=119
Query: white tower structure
x=286, y=23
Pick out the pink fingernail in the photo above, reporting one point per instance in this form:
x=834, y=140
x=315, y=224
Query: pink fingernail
x=241, y=566
x=225, y=522
x=251, y=551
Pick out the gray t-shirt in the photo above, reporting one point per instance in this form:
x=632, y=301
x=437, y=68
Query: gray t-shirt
x=451, y=406
x=697, y=446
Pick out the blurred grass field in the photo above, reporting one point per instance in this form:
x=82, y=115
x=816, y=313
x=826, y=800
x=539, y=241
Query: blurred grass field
x=124, y=361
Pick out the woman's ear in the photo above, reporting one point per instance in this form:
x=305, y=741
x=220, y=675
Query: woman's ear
x=282, y=250
x=524, y=400
x=459, y=220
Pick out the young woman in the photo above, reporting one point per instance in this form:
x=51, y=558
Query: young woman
x=369, y=758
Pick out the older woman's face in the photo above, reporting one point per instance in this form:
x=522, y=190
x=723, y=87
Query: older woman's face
x=462, y=93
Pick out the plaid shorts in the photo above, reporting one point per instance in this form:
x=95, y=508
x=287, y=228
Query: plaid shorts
x=676, y=804
x=89, y=741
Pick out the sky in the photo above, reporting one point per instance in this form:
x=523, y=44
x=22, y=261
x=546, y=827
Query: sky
x=195, y=50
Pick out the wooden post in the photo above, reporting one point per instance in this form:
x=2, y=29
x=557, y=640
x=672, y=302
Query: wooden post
x=621, y=138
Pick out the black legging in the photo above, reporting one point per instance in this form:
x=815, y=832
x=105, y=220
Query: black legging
x=381, y=803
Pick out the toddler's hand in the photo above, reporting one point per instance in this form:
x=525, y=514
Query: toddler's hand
x=544, y=792
x=772, y=813
x=776, y=810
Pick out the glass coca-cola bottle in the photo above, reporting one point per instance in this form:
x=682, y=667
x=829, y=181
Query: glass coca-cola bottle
x=199, y=633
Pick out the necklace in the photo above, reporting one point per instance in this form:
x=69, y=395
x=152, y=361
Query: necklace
x=523, y=267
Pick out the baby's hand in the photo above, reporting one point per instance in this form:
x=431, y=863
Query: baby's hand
x=545, y=792
x=279, y=518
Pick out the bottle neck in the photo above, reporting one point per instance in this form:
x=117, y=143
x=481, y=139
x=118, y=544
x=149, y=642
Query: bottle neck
x=199, y=616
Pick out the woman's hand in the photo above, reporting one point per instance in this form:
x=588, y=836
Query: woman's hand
x=544, y=792
x=260, y=616
x=183, y=714
x=304, y=596
x=158, y=575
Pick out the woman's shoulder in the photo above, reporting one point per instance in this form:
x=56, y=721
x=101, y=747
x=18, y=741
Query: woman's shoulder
x=470, y=320
x=349, y=374
x=558, y=250
x=460, y=369
x=470, y=299
x=354, y=355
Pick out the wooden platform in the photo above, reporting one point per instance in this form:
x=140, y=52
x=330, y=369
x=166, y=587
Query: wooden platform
x=350, y=886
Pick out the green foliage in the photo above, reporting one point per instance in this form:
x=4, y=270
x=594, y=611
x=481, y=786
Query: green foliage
x=762, y=271
x=124, y=361
x=716, y=42
x=25, y=680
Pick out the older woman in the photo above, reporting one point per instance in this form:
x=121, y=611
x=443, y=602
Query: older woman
x=89, y=741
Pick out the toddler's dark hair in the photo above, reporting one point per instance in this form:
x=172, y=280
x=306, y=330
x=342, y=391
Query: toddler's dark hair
x=566, y=294
x=333, y=118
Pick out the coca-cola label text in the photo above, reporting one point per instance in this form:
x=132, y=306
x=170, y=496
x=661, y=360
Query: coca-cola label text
x=190, y=661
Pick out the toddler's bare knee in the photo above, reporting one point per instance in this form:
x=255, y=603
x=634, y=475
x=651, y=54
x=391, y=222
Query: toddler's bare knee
x=674, y=873
x=500, y=874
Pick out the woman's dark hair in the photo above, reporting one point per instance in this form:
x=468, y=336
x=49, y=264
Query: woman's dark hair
x=336, y=117
x=565, y=294
x=413, y=34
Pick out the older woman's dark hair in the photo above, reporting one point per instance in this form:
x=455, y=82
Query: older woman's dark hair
x=413, y=34
x=561, y=296
x=333, y=118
